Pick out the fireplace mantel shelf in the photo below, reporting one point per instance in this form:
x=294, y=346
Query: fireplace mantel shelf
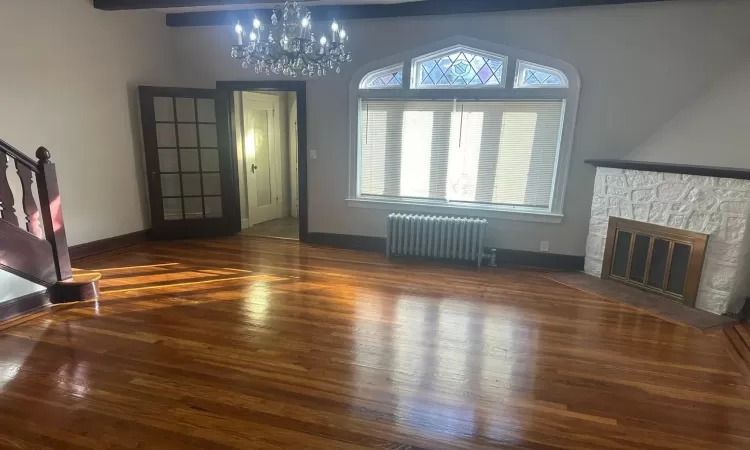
x=706, y=171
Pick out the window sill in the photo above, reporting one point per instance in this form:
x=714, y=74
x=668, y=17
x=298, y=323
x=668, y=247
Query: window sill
x=521, y=214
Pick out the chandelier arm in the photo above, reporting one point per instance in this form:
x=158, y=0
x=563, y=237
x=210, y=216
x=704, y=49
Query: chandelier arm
x=289, y=46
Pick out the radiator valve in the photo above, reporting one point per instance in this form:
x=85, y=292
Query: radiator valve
x=491, y=257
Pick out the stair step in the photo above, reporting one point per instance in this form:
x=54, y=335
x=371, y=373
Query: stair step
x=82, y=286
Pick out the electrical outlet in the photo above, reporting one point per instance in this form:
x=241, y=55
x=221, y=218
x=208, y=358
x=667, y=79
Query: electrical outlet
x=544, y=246
x=313, y=154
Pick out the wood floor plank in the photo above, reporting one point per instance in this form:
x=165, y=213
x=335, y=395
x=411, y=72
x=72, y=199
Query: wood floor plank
x=253, y=343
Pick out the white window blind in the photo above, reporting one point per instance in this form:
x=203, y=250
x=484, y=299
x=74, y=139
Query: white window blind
x=500, y=152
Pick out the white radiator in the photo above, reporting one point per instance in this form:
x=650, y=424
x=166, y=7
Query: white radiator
x=455, y=238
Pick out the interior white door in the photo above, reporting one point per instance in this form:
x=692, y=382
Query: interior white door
x=262, y=156
x=293, y=156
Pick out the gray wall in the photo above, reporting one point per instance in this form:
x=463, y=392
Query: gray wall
x=714, y=130
x=68, y=82
x=639, y=65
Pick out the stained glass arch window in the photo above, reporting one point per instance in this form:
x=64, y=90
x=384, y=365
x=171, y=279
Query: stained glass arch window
x=457, y=127
x=387, y=78
x=459, y=67
x=530, y=75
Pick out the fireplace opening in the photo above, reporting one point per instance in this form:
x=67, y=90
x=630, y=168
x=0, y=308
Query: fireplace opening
x=656, y=258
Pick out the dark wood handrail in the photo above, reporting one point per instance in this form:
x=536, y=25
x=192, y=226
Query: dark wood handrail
x=18, y=155
x=49, y=208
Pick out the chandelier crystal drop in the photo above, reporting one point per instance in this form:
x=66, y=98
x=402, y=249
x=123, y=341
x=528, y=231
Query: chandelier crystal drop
x=288, y=46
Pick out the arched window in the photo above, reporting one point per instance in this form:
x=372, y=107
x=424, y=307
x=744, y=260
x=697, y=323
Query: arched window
x=471, y=125
x=385, y=78
x=530, y=75
x=459, y=66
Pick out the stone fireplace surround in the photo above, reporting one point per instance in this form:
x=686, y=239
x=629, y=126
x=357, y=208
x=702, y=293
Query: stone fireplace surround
x=714, y=201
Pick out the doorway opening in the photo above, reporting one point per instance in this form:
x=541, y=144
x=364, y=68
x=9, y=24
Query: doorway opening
x=266, y=138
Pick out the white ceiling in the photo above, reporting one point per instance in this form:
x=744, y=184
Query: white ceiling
x=266, y=4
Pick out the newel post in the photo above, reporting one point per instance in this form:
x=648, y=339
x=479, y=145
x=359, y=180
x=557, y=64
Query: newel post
x=52, y=215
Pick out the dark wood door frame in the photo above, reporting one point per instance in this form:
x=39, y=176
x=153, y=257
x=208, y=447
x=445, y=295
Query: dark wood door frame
x=225, y=92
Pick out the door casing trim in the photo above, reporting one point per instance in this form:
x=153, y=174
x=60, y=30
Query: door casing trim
x=225, y=90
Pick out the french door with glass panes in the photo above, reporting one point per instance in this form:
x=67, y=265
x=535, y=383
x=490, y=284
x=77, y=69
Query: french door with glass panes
x=188, y=162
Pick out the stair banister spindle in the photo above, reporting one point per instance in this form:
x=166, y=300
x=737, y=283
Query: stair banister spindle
x=8, y=212
x=30, y=209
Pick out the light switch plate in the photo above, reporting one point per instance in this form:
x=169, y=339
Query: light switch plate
x=544, y=246
x=313, y=154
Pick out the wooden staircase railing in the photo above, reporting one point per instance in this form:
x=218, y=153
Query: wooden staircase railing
x=32, y=230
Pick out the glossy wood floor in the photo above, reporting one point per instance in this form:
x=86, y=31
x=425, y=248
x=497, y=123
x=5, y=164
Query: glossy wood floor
x=255, y=343
x=285, y=227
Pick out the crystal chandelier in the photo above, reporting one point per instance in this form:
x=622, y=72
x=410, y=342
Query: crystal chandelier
x=288, y=46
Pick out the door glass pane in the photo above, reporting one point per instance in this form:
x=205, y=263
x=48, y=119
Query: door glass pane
x=658, y=263
x=208, y=135
x=260, y=146
x=193, y=208
x=163, y=109
x=189, y=160
x=213, y=206
x=678, y=269
x=622, y=254
x=211, y=184
x=206, y=110
x=188, y=157
x=188, y=135
x=191, y=184
x=640, y=254
x=172, y=208
x=170, y=186
x=165, y=136
x=210, y=159
x=168, y=160
x=185, y=109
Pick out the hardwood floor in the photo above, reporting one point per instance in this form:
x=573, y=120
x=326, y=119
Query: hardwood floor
x=285, y=227
x=254, y=343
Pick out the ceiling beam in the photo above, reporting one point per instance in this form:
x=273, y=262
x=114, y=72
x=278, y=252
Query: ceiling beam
x=380, y=11
x=344, y=12
x=114, y=5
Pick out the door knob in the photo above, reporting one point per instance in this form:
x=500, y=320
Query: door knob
x=253, y=168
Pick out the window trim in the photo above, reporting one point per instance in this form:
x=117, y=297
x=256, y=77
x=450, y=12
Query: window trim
x=570, y=95
x=455, y=208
